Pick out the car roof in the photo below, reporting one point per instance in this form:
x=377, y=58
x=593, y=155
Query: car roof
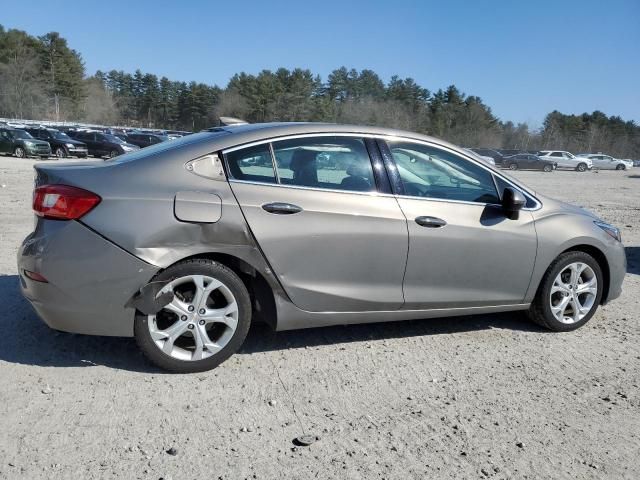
x=253, y=132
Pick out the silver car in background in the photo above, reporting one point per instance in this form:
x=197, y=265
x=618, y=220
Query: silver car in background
x=567, y=160
x=185, y=243
x=607, y=162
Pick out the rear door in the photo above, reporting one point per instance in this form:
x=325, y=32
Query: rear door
x=5, y=142
x=463, y=250
x=332, y=239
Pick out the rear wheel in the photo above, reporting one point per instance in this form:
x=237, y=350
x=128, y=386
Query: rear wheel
x=205, y=323
x=582, y=167
x=547, y=168
x=20, y=152
x=513, y=166
x=569, y=293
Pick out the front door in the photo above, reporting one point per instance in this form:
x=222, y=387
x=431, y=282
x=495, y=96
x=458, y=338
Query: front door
x=463, y=250
x=333, y=241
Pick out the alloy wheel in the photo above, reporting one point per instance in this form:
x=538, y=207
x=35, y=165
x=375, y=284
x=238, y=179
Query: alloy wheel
x=513, y=166
x=582, y=167
x=20, y=153
x=200, y=320
x=573, y=293
x=60, y=153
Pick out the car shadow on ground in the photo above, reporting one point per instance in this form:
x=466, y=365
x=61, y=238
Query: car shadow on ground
x=29, y=341
x=633, y=259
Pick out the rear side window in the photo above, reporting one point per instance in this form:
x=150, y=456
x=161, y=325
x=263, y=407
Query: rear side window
x=252, y=164
x=331, y=162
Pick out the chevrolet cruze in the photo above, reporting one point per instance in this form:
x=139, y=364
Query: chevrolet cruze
x=186, y=243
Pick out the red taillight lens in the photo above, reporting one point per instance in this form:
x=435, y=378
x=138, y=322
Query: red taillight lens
x=62, y=202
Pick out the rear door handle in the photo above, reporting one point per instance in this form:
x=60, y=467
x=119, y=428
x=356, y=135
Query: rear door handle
x=430, y=222
x=279, y=208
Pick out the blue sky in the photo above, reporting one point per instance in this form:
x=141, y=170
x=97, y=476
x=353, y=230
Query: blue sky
x=523, y=58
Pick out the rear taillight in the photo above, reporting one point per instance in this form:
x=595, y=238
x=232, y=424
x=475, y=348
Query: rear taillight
x=62, y=202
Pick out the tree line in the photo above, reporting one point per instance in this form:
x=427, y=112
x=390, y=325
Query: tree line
x=43, y=78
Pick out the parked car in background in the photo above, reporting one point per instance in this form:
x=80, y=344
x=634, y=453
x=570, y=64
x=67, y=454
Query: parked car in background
x=20, y=143
x=607, y=162
x=62, y=145
x=508, y=152
x=104, y=145
x=484, y=158
x=566, y=160
x=528, y=161
x=489, y=152
x=145, y=139
x=362, y=224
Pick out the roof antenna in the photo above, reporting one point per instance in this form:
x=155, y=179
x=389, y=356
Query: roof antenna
x=226, y=121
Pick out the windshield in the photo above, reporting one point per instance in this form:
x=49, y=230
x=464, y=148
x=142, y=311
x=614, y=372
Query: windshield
x=113, y=138
x=21, y=134
x=59, y=135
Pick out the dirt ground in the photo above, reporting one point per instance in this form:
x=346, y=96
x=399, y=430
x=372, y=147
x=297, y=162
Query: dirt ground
x=473, y=397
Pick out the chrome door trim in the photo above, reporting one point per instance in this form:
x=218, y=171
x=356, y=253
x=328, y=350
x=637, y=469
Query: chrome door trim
x=385, y=138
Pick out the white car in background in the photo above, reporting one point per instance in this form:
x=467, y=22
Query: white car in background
x=484, y=158
x=567, y=160
x=607, y=162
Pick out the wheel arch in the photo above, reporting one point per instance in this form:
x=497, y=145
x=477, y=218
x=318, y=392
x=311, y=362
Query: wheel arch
x=263, y=300
x=599, y=257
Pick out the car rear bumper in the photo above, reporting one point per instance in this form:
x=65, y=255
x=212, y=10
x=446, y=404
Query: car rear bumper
x=89, y=279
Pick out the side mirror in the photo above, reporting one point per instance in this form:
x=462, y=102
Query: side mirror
x=512, y=202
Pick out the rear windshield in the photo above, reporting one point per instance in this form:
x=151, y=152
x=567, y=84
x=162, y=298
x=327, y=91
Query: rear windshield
x=164, y=146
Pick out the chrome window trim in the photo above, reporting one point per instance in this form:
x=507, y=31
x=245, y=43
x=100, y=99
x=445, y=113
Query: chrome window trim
x=372, y=193
x=383, y=137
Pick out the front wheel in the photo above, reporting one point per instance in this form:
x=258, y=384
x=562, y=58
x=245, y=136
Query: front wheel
x=620, y=167
x=20, y=152
x=205, y=323
x=513, y=166
x=569, y=293
x=113, y=153
x=547, y=168
x=61, y=152
x=582, y=167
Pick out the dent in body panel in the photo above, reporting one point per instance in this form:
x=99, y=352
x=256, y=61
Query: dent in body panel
x=89, y=279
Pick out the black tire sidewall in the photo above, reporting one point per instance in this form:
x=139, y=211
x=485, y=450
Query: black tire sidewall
x=219, y=272
x=545, y=290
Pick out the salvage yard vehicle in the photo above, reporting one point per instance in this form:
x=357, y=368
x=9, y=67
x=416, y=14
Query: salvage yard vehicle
x=185, y=243
x=104, y=144
x=607, y=162
x=62, y=145
x=567, y=160
x=19, y=143
x=143, y=140
x=528, y=161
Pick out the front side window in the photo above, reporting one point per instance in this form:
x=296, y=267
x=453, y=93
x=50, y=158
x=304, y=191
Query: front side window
x=252, y=164
x=331, y=162
x=430, y=172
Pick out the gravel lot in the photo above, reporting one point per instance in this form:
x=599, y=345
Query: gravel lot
x=472, y=397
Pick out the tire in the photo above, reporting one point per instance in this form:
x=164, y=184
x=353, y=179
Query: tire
x=582, y=167
x=547, y=168
x=513, y=166
x=541, y=312
x=20, y=152
x=113, y=153
x=233, y=338
x=61, y=152
x=621, y=167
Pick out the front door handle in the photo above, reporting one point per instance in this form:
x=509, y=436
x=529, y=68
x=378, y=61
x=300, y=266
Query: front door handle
x=430, y=222
x=280, y=208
